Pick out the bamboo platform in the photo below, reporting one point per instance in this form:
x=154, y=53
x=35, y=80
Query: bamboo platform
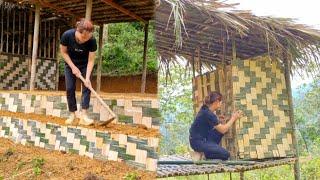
x=177, y=165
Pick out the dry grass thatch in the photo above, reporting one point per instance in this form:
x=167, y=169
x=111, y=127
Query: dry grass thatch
x=206, y=29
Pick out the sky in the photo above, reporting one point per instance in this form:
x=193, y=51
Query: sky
x=304, y=12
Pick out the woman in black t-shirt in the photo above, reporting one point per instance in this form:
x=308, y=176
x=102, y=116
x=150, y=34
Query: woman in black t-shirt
x=78, y=48
x=206, y=130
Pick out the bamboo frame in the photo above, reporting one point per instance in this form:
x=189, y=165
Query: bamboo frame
x=144, y=66
x=99, y=59
x=35, y=47
x=291, y=115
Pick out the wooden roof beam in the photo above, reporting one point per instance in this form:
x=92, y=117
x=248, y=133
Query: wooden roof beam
x=123, y=10
x=44, y=3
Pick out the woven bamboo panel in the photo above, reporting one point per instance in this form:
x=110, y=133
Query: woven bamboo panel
x=201, y=90
x=130, y=111
x=258, y=89
x=260, y=92
x=14, y=73
x=136, y=151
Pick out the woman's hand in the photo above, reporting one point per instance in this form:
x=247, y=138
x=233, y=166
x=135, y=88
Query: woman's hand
x=76, y=71
x=87, y=83
x=222, y=119
x=237, y=114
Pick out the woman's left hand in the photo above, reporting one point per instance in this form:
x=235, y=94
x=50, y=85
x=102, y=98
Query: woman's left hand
x=87, y=83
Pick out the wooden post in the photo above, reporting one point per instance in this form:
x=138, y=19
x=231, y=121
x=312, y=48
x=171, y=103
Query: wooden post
x=291, y=116
x=241, y=175
x=230, y=177
x=144, y=66
x=1, y=41
x=88, y=9
x=200, y=71
x=35, y=46
x=13, y=30
x=56, y=44
x=100, y=59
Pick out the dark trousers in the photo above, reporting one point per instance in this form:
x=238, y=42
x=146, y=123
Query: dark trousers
x=210, y=146
x=70, y=80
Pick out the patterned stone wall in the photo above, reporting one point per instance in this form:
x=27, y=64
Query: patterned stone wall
x=137, y=151
x=14, y=73
x=134, y=110
x=259, y=90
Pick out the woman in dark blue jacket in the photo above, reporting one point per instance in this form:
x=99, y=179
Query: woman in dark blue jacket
x=206, y=131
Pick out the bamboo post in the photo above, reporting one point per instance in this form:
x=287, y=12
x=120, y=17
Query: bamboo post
x=19, y=27
x=144, y=66
x=1, y=46
x=100, y=58
x=200, y=71
x=24, y=33
x=56, y=46
x=13, y=31
x=35, y=46
x=88, y=9
x=7, y=44
x=291, y=116
x=241, y=175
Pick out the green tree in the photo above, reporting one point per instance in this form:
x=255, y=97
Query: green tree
x=307, y=117
x=176, y=109
x=122, y=54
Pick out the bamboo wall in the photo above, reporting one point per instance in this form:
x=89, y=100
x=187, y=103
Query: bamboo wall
x=16, y=35
x=258, y=89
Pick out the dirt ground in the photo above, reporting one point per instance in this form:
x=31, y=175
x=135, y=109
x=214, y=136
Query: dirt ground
x=28, y=162
x=140, y=130
x=120, y=84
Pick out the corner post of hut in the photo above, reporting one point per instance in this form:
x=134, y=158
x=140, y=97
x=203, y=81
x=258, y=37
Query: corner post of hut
x=144, y=66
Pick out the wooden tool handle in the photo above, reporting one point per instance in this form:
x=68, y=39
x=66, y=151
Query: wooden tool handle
x=98, y=97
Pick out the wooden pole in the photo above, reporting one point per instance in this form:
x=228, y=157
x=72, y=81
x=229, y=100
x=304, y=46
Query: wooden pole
x=241, y=175
x=100, y=59
x=56, y=40
x=35, y=46
x=13, y=30
x=88, y=9
x=291, y=116
x=1, y=46
x=144, y=66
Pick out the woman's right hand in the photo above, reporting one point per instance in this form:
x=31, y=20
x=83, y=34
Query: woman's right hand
x=76, y=71
x=237, y=114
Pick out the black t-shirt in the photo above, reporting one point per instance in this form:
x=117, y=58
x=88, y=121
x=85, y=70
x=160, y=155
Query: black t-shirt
x=204, y=122
x=79, y=53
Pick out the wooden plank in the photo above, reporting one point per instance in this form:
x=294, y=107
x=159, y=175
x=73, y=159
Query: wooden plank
x=144, y=66
x=56, y=47
x=35, y=46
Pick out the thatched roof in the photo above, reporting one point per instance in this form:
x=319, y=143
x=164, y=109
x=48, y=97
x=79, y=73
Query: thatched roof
x=103, y=11
x=186, y=26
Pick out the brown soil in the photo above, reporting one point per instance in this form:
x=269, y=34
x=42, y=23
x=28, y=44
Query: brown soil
x=140, y=130
x=16, y=162
x=120, y=84
x=102, y=94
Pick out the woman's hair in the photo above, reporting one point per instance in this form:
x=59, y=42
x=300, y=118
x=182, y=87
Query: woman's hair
x=212, y=97
x=84, y=25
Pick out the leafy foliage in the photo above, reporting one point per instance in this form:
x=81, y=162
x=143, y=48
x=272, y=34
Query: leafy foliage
x=307, y=117
x=122, y=54
x=177, y=111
